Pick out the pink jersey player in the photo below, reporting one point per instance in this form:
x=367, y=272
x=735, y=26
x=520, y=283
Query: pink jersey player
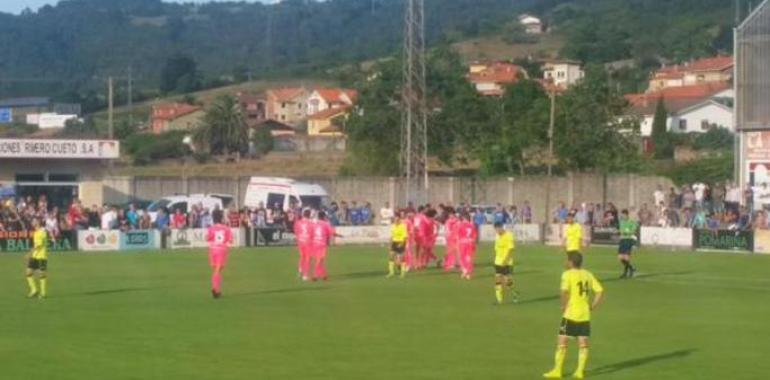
x=450, y=234
x=303, y=235
x=431, y=234
x=411, y=241
x=466, y=241
x=322, y=233
x=219, y=238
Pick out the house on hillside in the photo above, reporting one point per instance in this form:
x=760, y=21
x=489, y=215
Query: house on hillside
x=707, y=70
x=254, y=108
x=287, y=105
x=691, y=109
x=322, y=99
x=175, y=117
x=531, y=24
x=562, y=73
x=17, y=109
x=329, y=122
x=490, y=78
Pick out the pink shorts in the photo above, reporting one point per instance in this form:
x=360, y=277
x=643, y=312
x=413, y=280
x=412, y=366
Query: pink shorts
x=318, y=252
x=218, y=258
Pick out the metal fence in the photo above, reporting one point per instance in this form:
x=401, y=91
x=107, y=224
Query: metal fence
x=752, y=82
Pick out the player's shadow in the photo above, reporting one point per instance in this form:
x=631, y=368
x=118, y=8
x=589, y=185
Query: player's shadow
x=539, y=299
x=107, y=292
x=638, y=362
x=282, y=291
x=360, y=275
x=649, y=275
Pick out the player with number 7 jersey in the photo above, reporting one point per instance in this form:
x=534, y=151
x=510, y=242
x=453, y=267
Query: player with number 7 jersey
x=219, y=238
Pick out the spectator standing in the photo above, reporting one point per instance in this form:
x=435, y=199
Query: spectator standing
x=386, y=214
x=132, y=216
x=733, y=198
x=355, y=214
x=178, y=220
x=162, y=220
x=145, y=222
x=108, y=218
x=526, y=213
x=366, y=214
x=659, y=196
x=233, y=217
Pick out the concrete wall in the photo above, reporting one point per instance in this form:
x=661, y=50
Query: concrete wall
x=622, y=190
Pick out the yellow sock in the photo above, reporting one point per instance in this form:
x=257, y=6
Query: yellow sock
x=404, y=269
x=391, y=268
x=582, y=360
x=561, y=353
x=499, y=293
x=32, y=285
x=43, y=287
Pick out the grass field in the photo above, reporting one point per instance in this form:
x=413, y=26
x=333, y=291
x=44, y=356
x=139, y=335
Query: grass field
x=150, y=316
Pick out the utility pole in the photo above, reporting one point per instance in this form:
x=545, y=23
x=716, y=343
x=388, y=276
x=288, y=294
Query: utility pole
x=551, y=125
x=130, y=97
x=414, y=127
x=110, y=92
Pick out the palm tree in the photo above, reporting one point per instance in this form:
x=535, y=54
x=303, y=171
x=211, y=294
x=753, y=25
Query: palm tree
x=224, y=128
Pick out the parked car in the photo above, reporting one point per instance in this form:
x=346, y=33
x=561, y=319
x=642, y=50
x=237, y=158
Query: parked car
x=185, y=202
x=270, y=191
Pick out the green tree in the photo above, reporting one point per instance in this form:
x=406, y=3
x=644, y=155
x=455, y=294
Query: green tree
x=715, y=139
x=224, y=129
x=263, y=141
x=179, y=74
x=591, y=133
x=517, y=130
x=660, y=136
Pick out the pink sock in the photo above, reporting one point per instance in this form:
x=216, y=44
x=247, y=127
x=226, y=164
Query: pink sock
x=216, y=282
x=305, y=265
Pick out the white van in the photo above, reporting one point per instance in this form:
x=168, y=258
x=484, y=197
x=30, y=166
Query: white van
x=271, y=191
x=185, y=203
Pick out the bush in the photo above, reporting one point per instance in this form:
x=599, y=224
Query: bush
x=708, y=170
x=715, y=139
x=146, y=148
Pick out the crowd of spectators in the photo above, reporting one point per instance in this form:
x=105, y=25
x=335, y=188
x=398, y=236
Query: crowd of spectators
x=718, y=206
x=18, y=216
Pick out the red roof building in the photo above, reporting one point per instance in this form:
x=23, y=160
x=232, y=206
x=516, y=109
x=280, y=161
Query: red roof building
x=707, y=70
x=490, y=79
x=175, y=116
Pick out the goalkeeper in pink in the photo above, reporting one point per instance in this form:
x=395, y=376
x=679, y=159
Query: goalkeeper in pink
x=219, y=237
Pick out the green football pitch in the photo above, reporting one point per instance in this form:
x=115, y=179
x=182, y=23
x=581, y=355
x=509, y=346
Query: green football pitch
x=151, y=316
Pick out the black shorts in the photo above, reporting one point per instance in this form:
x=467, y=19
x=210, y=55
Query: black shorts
x=626, y=246
x=397, y=248
x=575, y=329
x=578, y=252
x=37, y=264
x=504, y=270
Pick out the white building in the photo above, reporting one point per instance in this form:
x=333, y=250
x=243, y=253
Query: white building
x=532, y=24
x=562, y=74
x=702, y=117
x=687, y=116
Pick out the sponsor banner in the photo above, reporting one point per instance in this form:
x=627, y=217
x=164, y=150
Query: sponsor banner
x=262, y=237
x=74, y=149
x=187, y=238
x=363, y=235
x=6, y=116
x=196, y=238
x=762, y=242
x=724, y=240
x=605, y=235
x=527, y=233
x=757, y=146
x=669, y=237
x=21, y=241
x=131, y=240
x=99, y=240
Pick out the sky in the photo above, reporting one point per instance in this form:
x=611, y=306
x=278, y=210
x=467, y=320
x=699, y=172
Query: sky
x=16, y=6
